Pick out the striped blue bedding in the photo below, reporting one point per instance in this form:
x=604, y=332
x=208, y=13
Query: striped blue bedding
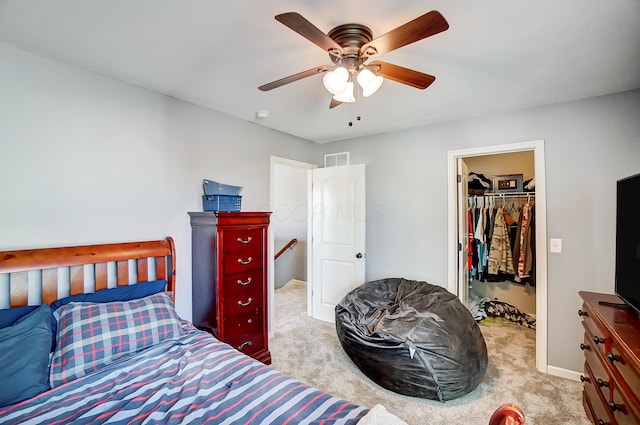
x=193, y=380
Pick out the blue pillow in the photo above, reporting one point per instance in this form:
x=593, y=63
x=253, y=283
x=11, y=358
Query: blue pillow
x=120, y=293
x=24, y=356
x=9, y=316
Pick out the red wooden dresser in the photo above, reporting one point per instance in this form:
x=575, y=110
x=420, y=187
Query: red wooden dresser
x=229, y=278
x=612, y=360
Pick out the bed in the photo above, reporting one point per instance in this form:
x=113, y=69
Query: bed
x=89, y=334
x=79, y=346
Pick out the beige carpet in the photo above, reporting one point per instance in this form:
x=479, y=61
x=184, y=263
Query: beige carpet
x=309, y=350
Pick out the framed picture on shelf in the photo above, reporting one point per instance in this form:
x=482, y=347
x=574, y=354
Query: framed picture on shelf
x=507, y=183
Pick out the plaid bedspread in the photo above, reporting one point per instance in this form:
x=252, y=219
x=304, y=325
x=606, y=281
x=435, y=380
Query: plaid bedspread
x=194, y=380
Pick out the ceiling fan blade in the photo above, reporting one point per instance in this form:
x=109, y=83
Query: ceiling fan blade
x=401, y=74
x=302, y=26
x=334, y=103
x=422, y=27
x=295, y=77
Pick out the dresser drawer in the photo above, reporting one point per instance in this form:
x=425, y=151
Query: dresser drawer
x=244, y=332
x=235, y=240
x=240, y=284
x=630, y=376
x=241, y=303
x=244, y=325
x=623, y=408
x=596, y=401
x=599, y=375
x=242, y=261
x=601, y=339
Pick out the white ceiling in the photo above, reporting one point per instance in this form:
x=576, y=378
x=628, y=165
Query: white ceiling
x=496, y=56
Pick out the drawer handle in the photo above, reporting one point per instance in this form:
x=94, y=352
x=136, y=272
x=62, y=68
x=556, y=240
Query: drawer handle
x=245, y=241
x=584, y=378
x=612, y=357
x=250, y=321
x=245, y=304
x=582, y=313
x=613, y=406
x=241, y=283
x=244, y=344
x=601, y=422
x=598, y=340
x=602, y=383
x=245, y=262
x=583, y=346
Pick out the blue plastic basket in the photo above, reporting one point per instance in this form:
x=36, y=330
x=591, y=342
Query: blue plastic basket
x=214, y=188
x=221, y=203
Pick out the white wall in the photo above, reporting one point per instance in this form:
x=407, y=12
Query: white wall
x=85, y=159
x=589, y=144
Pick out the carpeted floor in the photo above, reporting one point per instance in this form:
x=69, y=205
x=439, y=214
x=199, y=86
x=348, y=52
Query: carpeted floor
x=309, y=350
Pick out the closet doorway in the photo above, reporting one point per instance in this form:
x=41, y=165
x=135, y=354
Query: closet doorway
x=457, y=219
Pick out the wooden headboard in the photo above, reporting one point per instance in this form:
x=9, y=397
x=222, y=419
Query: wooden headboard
x=51, y=273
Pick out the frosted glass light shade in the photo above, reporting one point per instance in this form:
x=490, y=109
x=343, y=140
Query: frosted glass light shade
x=369, y=82
x=346, y=96
x=336, y=80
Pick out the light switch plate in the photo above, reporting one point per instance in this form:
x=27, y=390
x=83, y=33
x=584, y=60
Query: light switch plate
x=555, y=245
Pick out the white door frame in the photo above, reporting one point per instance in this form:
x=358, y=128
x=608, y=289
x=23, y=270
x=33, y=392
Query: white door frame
x=275, y=160
x=537, y=146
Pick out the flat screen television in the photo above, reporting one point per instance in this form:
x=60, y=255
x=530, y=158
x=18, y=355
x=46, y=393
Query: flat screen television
x=627, y=271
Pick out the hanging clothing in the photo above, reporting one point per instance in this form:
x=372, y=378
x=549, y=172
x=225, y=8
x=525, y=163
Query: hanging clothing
x=524, y=249
x=500, y=255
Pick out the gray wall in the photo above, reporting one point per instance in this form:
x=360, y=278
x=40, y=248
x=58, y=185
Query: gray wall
x=85, y=159
x=589, y=144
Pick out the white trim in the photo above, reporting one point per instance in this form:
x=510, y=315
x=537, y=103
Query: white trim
x=541, y=232
x=564, y=373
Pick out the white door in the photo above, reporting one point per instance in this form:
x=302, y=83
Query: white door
x=463, y=231
x=338, y=233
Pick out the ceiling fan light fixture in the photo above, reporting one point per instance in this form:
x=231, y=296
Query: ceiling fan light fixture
x=346, y=96
x=369, y=82
x=335, y=81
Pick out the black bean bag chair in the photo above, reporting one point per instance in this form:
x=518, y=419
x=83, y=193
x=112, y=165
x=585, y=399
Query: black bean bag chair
x=412, y=338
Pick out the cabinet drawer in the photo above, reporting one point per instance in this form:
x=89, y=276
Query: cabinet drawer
x=629, y=375
x=249, y=338
x=234, y=240
x=601, y=339
x=242, y=283
x=242, y=326
x=599, y=374
x=622, y=408
x=241, y=304
x=238, y=262
x=598, y=404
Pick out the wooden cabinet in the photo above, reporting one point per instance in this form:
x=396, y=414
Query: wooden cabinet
x=229, y=278
x=612, y=360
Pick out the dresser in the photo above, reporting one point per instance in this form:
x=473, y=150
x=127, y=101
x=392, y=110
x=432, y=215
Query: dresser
x=611, y=348
x=229, y=278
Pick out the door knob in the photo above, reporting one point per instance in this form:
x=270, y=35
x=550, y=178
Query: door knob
x=359, y=255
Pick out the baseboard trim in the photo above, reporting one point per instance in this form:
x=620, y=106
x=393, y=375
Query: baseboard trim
x=564, y=373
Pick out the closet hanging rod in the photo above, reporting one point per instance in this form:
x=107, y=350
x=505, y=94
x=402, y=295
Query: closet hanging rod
x=507, y=195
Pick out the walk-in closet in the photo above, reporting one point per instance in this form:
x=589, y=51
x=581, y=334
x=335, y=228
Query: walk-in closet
x=501, y=234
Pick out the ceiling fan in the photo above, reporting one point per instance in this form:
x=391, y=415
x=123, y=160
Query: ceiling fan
x=351, y=45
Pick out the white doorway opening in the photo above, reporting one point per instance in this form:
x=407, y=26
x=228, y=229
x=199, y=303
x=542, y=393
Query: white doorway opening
x=454, y=283
x=289, y=204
